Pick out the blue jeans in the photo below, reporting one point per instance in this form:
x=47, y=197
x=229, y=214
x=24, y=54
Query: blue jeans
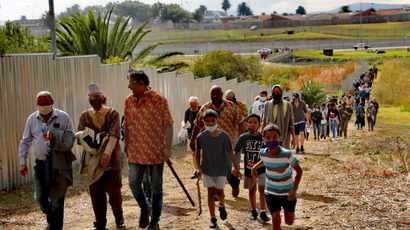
x=53, y=208
x=136, y=175
x=333, y=127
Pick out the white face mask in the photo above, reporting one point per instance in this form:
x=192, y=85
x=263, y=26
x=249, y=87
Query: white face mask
x=262, y=99
x=211, y=128
x=44, y=110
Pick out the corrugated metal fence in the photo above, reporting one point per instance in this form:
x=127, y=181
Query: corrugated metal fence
x=22, y=76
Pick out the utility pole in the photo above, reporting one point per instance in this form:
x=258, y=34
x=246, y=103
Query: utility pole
x=52, y=27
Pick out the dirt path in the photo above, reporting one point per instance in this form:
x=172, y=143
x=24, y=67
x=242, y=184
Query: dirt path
x=347, y=83
x=336, y=193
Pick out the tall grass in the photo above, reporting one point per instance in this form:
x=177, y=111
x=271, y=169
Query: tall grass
x=392, y=87
x=294, y=77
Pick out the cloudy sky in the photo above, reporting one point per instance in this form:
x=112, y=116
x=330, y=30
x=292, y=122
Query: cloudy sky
x=14, y=9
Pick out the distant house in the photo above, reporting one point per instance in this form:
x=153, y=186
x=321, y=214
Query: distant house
x=366, y=13
x=214, y=15
x=393, y=12
x=37, y=27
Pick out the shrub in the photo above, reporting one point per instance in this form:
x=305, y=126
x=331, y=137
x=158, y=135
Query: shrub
x=217, y=64
x=312, y=93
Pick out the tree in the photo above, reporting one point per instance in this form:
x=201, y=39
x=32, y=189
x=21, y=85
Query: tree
x=226, y=5
x=137, y=10
x=23, y=18
x=16, y=39
x=175, y=13
x=244, y=10
x=200, y=13
x=223, y=63
x=345, y=9
x=301, y=10
x=74, y=9
x=312, y=93
x=89, y=34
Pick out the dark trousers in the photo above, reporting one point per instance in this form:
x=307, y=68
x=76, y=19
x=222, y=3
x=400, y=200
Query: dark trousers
x=316, y=130
x=52, y=207
x=109, y=183
x=155, y=174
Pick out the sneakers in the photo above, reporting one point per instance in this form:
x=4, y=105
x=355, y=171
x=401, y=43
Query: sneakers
x=302, y=150
x=264, y=217
x=253, y=215
x=222, y=213
x=144, y=219
x=297, y=150
x=153, y=225
x=213, y=222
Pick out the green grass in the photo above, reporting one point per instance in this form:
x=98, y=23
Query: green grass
x=375, y=31
x=353, y=55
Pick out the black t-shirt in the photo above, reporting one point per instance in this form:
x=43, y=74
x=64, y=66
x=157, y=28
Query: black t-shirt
x=250, y=145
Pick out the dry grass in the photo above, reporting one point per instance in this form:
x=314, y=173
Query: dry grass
x=293, y=77
x=393, y=84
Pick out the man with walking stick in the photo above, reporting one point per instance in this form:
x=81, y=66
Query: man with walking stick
x=148, y=138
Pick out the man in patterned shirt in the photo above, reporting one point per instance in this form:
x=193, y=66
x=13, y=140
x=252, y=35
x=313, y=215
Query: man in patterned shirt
x=229, y=120
x=148, y=130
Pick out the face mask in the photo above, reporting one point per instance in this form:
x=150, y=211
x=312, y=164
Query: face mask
x=44, y=110
x=277, y=97
x=262, y=99
x=96, y=104
x=211, y=128
x=272, y=144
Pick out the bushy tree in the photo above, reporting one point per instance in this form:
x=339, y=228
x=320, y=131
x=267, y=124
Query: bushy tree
x=301, y=10
x=138, y=11
x=226, y=5
x=345, y=9
x=200, y=13
x=312, y=93
x=175, y=13
x=244, y=10
x=220, y=63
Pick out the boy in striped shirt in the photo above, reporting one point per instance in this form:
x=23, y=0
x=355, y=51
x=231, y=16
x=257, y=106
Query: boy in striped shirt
x=280, y=187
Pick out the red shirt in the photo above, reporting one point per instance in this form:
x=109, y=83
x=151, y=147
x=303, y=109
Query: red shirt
x=145, y=121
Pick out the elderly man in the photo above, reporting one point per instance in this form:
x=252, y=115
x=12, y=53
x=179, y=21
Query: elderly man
x=105, y=169
x=229, y=120
x=49, y=136
x=148, y=130
x=279, y=112
x=191, y=112
x=230, y=96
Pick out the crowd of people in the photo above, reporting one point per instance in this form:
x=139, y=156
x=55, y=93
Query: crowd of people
x=269, y=134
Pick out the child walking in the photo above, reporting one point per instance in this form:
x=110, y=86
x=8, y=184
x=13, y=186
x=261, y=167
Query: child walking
x=280, y=188
x=212, y=160
x=249, y=144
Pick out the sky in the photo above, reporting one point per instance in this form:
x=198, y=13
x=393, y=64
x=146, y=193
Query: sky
x=14, y=9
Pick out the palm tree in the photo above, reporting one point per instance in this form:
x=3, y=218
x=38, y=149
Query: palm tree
x=87, y=34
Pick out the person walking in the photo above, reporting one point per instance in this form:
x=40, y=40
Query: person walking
x=148, y=139
x=105, y=165
x=317, y=119
x=49, y=135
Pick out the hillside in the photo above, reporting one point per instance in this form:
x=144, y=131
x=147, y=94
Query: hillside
x=377, y=6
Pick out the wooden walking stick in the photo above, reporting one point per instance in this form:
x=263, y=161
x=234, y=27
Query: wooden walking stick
x=180, y=182
x=199, y=196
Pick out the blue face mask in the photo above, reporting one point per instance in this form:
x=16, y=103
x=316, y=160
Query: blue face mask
x=272, y=144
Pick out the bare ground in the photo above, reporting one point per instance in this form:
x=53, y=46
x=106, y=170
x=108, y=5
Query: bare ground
x=344, y=186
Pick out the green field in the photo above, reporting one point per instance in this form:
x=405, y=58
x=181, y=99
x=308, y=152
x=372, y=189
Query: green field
x=375, y=31
x=352, y=55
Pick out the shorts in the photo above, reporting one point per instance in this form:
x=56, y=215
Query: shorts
x=300, y=128
x=276, y=203
x=260, y=181
x=214, y=181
